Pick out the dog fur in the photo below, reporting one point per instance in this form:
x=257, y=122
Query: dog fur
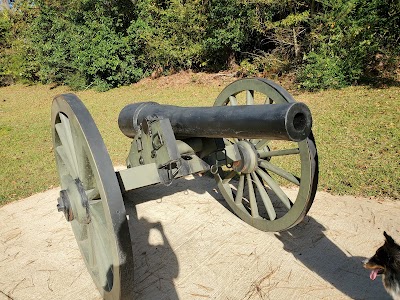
x=386, y=262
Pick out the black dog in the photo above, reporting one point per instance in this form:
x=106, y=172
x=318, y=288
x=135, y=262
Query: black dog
x=386, y=262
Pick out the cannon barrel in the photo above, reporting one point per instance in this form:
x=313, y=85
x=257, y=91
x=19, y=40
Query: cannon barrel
x=291, y=121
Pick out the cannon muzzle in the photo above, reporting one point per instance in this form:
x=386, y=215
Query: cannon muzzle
x=291, y=121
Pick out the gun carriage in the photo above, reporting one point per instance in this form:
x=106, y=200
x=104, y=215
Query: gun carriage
x=253, y=140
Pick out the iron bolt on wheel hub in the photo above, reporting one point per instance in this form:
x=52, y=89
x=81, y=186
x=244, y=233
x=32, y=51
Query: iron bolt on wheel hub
x=249, y=158
x=64, y=205
x=73, y=202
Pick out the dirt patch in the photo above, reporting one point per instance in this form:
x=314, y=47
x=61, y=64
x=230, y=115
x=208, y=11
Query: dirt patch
x=189, y=77
x=216, y=79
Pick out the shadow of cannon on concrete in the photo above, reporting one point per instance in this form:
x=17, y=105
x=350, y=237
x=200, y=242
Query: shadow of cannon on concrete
x=154, y=261
x=157, y=267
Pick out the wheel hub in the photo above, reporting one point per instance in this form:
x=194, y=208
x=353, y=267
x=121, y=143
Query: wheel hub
x=249, y=158
x=73, y=201
x=64, y=205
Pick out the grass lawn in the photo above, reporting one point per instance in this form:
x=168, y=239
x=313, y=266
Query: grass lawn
x=356, y=129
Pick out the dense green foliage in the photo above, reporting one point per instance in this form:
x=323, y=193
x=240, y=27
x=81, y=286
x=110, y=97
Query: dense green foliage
x=104, y=44
x=355, y=41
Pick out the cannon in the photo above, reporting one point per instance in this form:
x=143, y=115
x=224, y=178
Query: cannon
x=254, y=140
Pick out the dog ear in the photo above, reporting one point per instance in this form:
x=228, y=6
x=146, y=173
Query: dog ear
x=389, y=239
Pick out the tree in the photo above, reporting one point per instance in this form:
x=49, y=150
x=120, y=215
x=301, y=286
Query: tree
x=352, y=41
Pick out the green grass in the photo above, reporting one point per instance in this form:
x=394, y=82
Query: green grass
x=358, y=139
x=356, y=130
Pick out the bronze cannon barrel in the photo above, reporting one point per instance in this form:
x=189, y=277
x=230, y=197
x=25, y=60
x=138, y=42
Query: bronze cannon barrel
x=291, y=121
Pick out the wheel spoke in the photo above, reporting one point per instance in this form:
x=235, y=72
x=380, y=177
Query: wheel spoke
x=240, y=188
x=252, y=198
x=264, y=197
x=233, y=100
x=98, y=256
x=229, y=176
x=224, y=188
x=98, y=234
x=65, y=152
x=264, y=154
x=67, y=140
x=268, y=100
x=227, y=142
x=249, y=97
x=84, y=171
x=261, y=144
x=279, y=171
x=93, y=194
x=80, y=230
x=91, y=257
x=65, y=160
x=275, y=188
x=96, y=211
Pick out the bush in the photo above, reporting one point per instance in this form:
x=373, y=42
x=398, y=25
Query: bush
x=227, y=33
x=84, y=46
x=346, y=40
x=321, y=71
x=16, y=60
x=5, y=28
x=105, y=44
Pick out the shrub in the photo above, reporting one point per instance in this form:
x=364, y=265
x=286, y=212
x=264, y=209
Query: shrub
x=84, y=46
x=105, y=44
x=321, y=71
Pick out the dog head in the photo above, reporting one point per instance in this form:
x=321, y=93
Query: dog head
x=386, y=257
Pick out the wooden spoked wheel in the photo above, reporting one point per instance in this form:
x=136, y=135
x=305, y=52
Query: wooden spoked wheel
x=252, y=187
x=91, y=199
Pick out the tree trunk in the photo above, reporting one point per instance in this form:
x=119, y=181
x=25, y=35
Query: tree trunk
x=296, y=45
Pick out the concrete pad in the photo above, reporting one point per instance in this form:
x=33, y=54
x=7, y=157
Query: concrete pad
x=187, y=245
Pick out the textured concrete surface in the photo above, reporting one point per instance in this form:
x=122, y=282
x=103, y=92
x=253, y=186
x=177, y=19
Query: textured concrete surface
x=187, y=245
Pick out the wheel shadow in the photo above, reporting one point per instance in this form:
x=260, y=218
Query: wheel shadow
x=155, y=263
x=309, y=245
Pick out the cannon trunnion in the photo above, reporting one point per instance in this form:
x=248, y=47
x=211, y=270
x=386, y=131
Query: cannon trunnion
x=254, y=140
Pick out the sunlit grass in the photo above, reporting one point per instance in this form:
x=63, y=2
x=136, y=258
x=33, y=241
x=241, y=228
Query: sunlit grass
x=358, y=139
x=356, y=131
